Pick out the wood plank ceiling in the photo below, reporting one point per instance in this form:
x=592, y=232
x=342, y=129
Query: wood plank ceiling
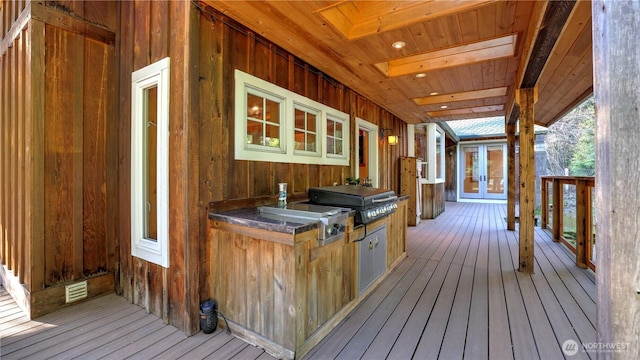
x=461, y=59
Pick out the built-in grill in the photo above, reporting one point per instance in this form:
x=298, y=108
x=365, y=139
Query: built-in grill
x=331, y=220
x=369, y=203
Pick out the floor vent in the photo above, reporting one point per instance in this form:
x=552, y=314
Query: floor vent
x=76, y=292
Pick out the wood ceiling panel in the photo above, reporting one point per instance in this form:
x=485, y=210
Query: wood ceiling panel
x=452, y=30
x=364, y=19
x=421, y=38
x=575, y=83
x=456, y=81
x=468, y=22
x=435, y=31
x=464, y=72
x=565, y=75
x=299, y=28
x=487, y=21
x=488, y=71
x=444, y=81
x=506, y=18
x=501, y=69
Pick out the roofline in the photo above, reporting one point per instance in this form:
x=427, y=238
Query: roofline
x=447, y=129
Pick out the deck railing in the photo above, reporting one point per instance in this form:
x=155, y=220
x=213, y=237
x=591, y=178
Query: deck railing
x=567, y=210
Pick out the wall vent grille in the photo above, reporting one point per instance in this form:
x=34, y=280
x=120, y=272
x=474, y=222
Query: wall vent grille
x=76, y=292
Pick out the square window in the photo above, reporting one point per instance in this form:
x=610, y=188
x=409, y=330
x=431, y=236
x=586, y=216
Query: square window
x=263, y=112
x=334, y=137
x=305, y=131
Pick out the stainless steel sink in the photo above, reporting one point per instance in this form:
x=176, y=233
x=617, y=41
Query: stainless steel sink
x=331, y=220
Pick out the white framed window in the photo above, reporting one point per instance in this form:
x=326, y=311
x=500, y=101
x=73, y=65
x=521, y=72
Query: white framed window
x=335, y=137
x=264, y=124
x=440, y=148
x=150, y=163
x=430, y=144
x=308, y=132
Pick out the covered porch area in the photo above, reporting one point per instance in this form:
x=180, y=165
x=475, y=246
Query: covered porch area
x=457, y=295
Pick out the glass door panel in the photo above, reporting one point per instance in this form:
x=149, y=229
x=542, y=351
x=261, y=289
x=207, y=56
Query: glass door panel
x=495, y=170
x=483, y=171
x=471, y=168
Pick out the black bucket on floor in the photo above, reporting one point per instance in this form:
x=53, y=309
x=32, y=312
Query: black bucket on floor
x=208, y=316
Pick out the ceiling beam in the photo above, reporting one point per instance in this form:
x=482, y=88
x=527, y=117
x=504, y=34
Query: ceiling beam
x=554, y=20
x=361, y=19
x=466, y=111
x=535, y=20
x=461, y=96
x=471, y=53
x=555, y=17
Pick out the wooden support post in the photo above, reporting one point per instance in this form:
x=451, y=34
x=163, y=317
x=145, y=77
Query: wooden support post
x=511, y=176
x=616, y=62
x=582, y=196
x=589, y=231
x=526, y=99
x=35, y=212
x=544, y=203
x=556, y=221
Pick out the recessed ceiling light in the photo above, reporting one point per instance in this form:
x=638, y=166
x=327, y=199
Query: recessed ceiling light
x=434, y=93
x=421, y=75
x=443, y=107
x=398, y=44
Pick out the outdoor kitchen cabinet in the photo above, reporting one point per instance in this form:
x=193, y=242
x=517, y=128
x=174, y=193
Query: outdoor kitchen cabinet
x=283, y=291
x=277, y=289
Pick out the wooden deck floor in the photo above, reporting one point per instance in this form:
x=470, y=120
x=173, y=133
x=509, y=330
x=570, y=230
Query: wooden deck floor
x=458, y=295
x=109, y=327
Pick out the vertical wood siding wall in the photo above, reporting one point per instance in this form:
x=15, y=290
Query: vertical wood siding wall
x=9, y=13
x=202, y=165
x=57, y=101
x=65, y=164
x=14, y=109
x=228, y=183
x=78, y=104
x=226, y=46
x=150, y=31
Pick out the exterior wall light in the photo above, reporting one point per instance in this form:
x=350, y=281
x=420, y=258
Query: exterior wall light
x=391, y=139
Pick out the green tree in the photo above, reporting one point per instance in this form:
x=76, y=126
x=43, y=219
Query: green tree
x=583, y=162
x=570, y=142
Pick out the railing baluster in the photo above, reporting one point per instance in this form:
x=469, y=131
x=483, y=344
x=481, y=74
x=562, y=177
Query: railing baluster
x=544, y=205
x=581, y=223
x=557, y=210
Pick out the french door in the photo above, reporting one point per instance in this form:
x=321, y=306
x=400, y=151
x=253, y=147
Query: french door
x=483, y=173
